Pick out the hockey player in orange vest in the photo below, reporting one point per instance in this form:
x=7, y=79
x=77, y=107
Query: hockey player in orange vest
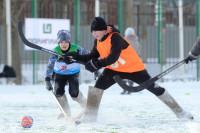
x=113, y=52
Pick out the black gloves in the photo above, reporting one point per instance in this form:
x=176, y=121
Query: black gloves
x=92, y=65
x=48, y=84
x=69, y=56
x=74, y=55
x=190, y=57
x=68, y=60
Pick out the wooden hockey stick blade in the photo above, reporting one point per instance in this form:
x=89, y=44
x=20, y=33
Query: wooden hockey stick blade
x=147, y=83
x=74, y=119
x=69, y=119
x=64, y=113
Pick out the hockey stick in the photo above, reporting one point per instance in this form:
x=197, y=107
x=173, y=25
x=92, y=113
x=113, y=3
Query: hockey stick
x=147, y=83
x=65, y=114
x=34, y=46
x=29, y=44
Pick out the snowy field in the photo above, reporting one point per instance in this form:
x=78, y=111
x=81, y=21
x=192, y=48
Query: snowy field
x=136, y=113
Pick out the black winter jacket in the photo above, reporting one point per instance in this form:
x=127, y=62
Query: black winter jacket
x=117, y=45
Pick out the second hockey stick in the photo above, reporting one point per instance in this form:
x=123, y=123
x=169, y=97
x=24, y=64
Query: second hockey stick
x=147, y=83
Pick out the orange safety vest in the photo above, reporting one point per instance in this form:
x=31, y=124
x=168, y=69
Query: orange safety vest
x=128, y=61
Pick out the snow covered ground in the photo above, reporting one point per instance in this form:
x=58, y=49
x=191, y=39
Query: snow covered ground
x=136, y=113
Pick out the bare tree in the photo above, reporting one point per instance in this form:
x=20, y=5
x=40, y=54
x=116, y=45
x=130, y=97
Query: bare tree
x=16, y=8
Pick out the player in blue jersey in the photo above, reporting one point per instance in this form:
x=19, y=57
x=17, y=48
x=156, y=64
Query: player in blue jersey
x=65, y=72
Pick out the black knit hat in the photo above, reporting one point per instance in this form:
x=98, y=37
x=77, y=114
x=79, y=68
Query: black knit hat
x=98, y=24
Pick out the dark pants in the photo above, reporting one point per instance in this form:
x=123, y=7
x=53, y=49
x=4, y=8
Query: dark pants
x=61, y=80
x=106, y=80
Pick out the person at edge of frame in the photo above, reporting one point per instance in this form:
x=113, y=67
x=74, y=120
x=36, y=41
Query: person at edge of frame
x=194, y=52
